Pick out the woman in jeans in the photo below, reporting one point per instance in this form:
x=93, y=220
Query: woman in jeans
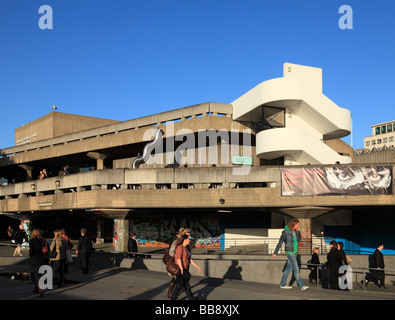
x=291, y=238
x=183, y=260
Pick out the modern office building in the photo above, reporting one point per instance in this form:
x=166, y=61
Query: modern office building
x=226, y=171
x=383, y=135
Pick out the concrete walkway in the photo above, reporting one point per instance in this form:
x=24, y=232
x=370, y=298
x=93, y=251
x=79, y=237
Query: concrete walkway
x=115, y=283
x=109, y=282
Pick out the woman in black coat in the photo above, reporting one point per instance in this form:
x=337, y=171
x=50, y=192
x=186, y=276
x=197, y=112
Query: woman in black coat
x=334, y=263
x=37, y=257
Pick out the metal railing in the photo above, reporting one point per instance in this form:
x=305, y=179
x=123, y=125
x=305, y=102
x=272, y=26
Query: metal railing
x=355, y=271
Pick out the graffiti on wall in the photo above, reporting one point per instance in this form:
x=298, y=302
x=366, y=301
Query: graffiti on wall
x=158, y=231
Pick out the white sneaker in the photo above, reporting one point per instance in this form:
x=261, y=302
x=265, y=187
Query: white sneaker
x=285, y=287
x=304, y=288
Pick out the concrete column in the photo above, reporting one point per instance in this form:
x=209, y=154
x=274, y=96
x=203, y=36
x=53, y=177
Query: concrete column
x=121, y=227
x=121, y=232
x=100, y=164
x=305, y=243
x=304, y=215
x=99, y=157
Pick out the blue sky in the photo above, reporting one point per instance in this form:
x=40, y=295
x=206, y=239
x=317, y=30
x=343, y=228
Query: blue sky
x=123, y=59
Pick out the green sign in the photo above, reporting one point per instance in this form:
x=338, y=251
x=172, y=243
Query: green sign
x=242, y=160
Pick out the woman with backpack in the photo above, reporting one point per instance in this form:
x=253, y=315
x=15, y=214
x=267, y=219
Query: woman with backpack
x=38, y=250
x=183, y=260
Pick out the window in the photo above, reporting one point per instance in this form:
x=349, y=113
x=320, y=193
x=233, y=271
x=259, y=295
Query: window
x=377, y=130
x=378, y=141
x=367, y=143
x=391, y=139
x=389, y=128
x=385, y=140
x=383, y=129
x=373, y=142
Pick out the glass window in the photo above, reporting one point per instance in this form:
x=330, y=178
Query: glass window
x=378, y=130
x=373, y=142
x=383, y=129
x=391, y=139
x=367, y=143
x=385, y=140
x=378, y=141
x=389, y=128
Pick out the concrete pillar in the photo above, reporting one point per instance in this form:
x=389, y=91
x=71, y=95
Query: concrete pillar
x=100, y=164
x=99, y=224
x=99, y=157
x=29, y=171
x=121, y=227
x=304, y=215
x=121, y=233
x=305, y=244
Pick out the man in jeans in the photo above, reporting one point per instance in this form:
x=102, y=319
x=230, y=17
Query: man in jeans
x=291, y=237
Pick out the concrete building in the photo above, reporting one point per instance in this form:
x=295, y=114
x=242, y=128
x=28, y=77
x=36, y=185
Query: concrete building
x=215, y=168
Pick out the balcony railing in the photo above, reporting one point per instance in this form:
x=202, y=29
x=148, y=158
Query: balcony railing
x=168, y=178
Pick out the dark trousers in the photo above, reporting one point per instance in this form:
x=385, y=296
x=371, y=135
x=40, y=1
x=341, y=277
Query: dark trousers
x=84, y=259
x=334, y=279
x=58, y=269
x=183, y=282
x=35, y=277
x=379, y=277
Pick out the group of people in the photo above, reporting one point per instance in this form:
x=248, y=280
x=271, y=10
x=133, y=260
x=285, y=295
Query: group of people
x=66, y=170
x=57, y=254
x=43, y=174
x=335, y=259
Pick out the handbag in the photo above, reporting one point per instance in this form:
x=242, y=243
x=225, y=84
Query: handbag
x=52, y=254
x=172, y=267
x=166, y=257
x=69, y=258
x=45, y=248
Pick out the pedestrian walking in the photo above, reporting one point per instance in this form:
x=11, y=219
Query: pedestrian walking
x=37, y=258
x=172, y=252
x=291, y=237
x=378, y=259
x=334, y=262
x=132, y=245
x=183, y=259
x=314, y=264
x=84, y=250
x=60, y=246
x=69, y=258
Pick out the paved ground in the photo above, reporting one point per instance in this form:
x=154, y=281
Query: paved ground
x=115, y=283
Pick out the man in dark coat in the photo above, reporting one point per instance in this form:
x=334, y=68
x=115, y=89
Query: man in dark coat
x=132, y=245
x=84, y=249
x=379, y=264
